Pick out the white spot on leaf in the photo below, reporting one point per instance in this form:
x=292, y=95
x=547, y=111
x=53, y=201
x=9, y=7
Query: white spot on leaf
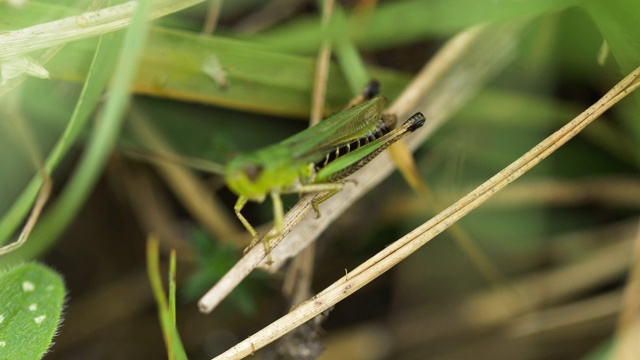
x=212, y=67
x=33, y=307
x=17, y=3
x=28, y=286
x=40, y=319
x=3, y=344
x=1, y=319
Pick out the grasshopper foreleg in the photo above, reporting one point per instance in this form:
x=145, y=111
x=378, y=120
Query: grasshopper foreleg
x=242, y=201
x=278, y=215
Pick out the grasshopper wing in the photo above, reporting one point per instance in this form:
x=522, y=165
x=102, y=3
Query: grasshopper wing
x=315, y=142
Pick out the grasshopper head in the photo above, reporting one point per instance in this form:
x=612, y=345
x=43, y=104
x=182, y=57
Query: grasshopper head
x=257, y=174
x=247, y=178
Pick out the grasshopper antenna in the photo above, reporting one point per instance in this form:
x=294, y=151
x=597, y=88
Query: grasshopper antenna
x=163, y=158
x=369, y=91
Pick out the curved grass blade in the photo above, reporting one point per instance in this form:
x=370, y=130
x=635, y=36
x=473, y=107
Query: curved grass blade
x=97, y=77
x=100, y=143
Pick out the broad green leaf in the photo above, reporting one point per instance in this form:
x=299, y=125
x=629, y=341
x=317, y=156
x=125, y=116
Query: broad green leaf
x=32, y=298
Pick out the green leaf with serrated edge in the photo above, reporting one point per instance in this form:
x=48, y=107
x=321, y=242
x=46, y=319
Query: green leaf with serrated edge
x=31, y=302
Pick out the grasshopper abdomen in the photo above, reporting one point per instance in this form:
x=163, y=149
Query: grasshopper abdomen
x=387, y=122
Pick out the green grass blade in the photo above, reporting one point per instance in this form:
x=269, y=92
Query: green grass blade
x=101, y=141
x=618, y=22
x=353, y=68
x=95, y=84
x=602, y=352
x=166, y=310
x=403, y=22
x=172, y=286
x=278, y=84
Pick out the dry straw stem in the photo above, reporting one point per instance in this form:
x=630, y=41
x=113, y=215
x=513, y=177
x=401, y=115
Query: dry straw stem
x=20, y=42
x=33, y=67
x=15, y=44
x=18, y=124
x=583, y=315
x=151, y=207
x=322, y=69
x=540, y=289
x=298, y=280
x=614, y=191
x=405, y=246
x=451, y=78
x=627, y=346
x=569, y=280
x=213, y=13
x=41, y=200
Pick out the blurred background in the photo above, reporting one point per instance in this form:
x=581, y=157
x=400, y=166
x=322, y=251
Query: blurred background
x=562, y=237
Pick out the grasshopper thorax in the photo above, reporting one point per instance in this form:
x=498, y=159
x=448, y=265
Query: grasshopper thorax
x=257, y=174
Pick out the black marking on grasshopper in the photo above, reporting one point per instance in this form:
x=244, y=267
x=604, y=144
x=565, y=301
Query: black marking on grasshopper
x=413, y=123
x=386, y=124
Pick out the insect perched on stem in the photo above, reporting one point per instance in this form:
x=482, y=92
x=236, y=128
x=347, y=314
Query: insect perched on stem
x=316, y=160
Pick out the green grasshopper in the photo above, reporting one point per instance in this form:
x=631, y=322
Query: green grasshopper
x=316, y=160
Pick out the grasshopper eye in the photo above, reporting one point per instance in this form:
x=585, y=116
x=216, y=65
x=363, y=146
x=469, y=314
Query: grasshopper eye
x=253, y=171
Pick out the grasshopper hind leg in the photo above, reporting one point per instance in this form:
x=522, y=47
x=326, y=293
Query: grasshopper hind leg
x=328, y=190
x=315, y=203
